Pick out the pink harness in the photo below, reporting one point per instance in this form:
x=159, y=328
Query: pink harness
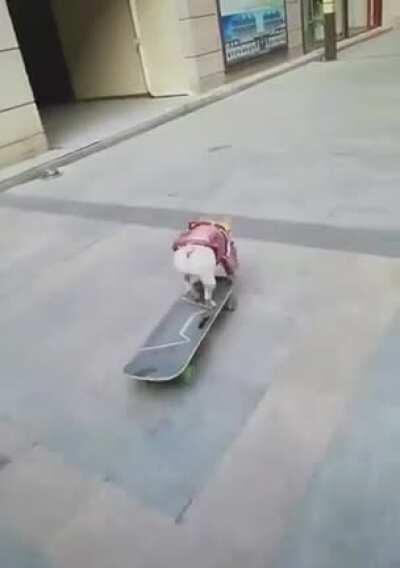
x=213, y=236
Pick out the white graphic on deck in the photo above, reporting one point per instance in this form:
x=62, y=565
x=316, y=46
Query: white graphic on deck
x=182, y=333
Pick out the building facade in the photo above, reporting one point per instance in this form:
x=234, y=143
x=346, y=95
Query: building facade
x=391, y=12
x=21, y=130
x=64, y=51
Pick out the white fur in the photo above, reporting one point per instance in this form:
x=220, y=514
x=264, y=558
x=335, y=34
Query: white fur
x=197, y=263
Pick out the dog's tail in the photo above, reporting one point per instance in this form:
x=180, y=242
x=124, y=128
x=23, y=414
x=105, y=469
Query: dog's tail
x=189, y=251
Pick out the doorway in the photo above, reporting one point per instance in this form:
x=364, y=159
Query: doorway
x=90, y=75
x=314, y=24
x=38, y=38
x=357, y=16
x=374, y=13
x=78, y=50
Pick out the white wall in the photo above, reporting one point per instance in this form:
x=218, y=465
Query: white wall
x=202, y=47
x=295, y=26
x=21, y=131
x=391, y=11
x=99, y=44
x=339, y=17
x=162, y=49
x=358, y=14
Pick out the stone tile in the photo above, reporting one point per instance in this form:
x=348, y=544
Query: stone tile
x=39, y=495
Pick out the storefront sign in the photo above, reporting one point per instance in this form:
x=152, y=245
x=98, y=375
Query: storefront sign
x=329, y=6
x=252, y=27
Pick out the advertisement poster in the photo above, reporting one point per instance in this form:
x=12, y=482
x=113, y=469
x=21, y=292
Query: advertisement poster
x=252, y=27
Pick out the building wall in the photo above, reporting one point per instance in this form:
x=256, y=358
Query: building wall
x=202, y=40
x=391, y=12
x=339, y=17
x=358, y=14
x=295, y=26
x=21, y=130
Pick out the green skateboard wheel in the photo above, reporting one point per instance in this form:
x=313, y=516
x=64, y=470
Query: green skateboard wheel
x=188, y=375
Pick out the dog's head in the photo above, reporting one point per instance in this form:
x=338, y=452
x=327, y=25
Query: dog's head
x=225, y=225
x=223, y=222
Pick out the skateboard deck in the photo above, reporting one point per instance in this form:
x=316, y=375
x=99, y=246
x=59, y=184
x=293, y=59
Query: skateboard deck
x=170, y=348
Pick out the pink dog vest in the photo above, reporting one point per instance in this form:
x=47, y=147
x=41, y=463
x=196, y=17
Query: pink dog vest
x=212, y=236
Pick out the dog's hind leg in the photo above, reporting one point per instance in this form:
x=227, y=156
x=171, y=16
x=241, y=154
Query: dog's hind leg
x=209, y=284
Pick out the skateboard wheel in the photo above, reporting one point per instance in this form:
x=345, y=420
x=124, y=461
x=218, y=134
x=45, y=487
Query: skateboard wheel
x=188, y=374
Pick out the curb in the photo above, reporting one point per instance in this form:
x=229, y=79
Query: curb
x=218, y=94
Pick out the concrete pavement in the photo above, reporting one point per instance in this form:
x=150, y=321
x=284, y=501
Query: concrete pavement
x=283, y=450
x=78, y=131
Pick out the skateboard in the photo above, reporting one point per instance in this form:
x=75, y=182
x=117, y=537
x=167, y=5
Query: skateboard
x=168, y=351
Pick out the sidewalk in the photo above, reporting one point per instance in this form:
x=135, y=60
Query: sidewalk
x=75, y=125
x=283, y=452
x=150, y=114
